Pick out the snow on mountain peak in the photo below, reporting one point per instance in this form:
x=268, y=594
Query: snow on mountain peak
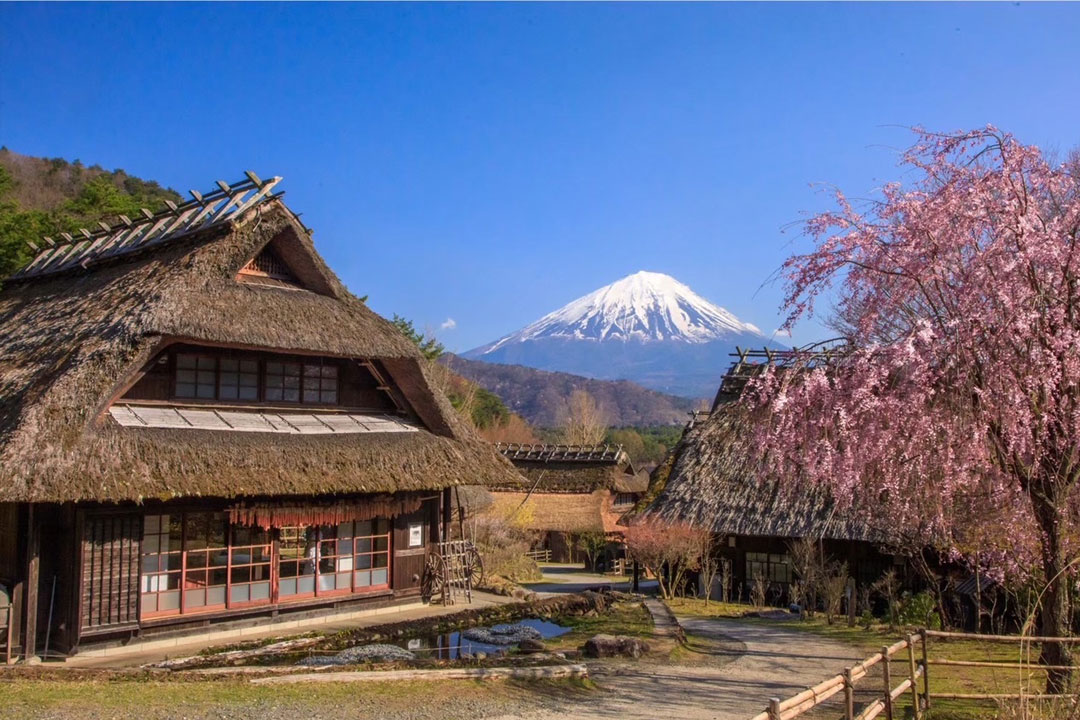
x=645, y=306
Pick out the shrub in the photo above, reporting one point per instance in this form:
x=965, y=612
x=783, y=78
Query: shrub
x=920, y=609
x=503, y=547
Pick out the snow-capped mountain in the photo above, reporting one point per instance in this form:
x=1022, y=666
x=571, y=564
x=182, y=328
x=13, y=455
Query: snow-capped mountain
x=643, y=306
x=647, y=327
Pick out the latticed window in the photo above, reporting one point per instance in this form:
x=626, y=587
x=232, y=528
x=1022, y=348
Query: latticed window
x=239, y=379
x=267, y=264
x=282, y=382
x=771, y=566
x=232, y=379
x=196, y=376
x=162, y=564
x=320, y=384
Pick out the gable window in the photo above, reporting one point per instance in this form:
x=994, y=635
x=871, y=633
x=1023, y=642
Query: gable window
x=282, y=382
x=209, y=377
x=196, y=376
x=239, y=379
x=320, y=384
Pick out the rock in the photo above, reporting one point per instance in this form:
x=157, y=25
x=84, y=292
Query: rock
x=465, y=656
x=531, y=645
x=502, y=634
x=604, y=645
x=480, y=655
x=560, y=655
x=571, y=655
x=359, y=654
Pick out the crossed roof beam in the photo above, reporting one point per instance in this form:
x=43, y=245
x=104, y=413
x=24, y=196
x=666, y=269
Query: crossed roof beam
x=224, y=203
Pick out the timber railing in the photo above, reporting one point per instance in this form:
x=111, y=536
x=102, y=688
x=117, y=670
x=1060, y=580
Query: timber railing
x=912, y=671
x=810, y=698
x=539, y=555
x=975, y=665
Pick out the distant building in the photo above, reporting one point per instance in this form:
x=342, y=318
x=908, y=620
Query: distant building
x=569, y=490
x=200, y=424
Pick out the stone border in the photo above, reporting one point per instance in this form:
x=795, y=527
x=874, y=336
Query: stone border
x=665, y=624
x=498, y=673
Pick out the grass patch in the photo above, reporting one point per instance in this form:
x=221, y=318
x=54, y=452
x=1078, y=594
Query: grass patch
x=124, y=699
x=622, y=618
x=696, y=607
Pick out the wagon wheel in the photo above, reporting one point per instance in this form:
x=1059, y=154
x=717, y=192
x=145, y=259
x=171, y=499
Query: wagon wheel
x=474, y=566
x=433, y=583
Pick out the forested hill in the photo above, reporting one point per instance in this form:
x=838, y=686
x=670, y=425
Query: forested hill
x=542, y=397
x=47, y=196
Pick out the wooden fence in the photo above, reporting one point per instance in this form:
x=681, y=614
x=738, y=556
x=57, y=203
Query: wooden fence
x=1019, y=665
x=539, y=555
x=912, y=672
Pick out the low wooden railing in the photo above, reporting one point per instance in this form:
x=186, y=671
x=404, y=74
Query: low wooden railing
x=914, y=670
x=539, y=555
x=810, y=698
x=1019, y=639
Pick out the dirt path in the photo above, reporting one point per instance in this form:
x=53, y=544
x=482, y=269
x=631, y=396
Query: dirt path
x=745, y=664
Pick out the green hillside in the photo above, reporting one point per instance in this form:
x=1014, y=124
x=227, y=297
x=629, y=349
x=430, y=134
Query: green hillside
x=47, y=196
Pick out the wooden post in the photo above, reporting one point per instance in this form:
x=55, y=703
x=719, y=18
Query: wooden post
x=911, y=668
x=849, y=695
x=447, y=514
x=925, y=670
x=888, y=681
x=851, y=602
x=774, y=708
x=30, y=595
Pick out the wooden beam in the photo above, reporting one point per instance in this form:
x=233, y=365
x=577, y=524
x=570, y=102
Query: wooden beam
x=32, y=570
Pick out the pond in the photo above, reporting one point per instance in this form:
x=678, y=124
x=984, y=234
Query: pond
x=450, y=646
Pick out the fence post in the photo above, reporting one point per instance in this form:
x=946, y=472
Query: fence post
x=925, y=669
x=849, y=695
x=774, y=708
x=914, y=686
x=888, y=681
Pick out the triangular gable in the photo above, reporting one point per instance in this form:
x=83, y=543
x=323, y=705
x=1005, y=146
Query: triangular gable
x=285, y=261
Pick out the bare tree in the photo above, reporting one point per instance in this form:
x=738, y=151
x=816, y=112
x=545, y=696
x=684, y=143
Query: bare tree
x=806, y=562
x=888, y=585
x=709, y=563
x=584, y=422
x=833, y=588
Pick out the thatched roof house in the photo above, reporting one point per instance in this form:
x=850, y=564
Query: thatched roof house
x=568, y=489
x=204, y=365
x=711, y=479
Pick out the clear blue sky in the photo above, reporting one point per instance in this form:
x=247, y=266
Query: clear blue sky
x=488, y=163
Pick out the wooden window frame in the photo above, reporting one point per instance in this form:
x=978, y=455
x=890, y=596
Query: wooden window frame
x=276, y=589
x=262, y=360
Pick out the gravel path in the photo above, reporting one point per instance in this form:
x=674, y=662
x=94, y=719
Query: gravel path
x=761, y=662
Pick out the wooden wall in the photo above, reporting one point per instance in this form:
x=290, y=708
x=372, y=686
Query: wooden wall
x=409, y=562
x=109, y=594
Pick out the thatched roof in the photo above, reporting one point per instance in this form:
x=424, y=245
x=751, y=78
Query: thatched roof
x=569, y=468
x=711, y=480
x=559, y=512
x=72, y=339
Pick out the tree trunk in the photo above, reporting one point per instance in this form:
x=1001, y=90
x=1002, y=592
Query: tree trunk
x=1054, y=608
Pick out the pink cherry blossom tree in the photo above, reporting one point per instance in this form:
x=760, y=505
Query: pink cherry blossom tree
x=954, y=412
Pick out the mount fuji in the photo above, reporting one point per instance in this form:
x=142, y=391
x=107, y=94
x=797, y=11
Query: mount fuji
x=648, y=328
